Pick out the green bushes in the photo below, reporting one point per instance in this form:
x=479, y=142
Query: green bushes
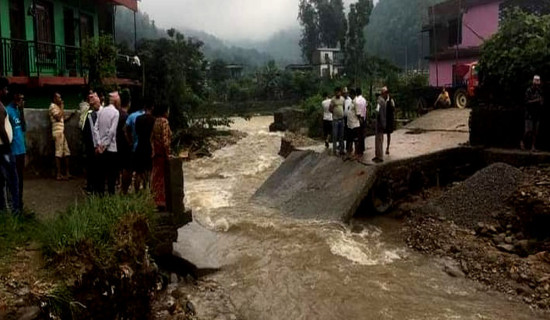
x=93, y=222
x=507, y=66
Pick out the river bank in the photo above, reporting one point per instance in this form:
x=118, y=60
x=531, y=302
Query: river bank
x=503, y=243
x=69, y=282
x=275, y=267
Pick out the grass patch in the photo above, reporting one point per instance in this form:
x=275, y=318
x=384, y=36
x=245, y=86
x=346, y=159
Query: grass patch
x=14, y=231
x=96, y=247
x=92, y=222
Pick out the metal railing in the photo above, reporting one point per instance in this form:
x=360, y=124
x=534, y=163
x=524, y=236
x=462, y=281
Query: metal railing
x=29, y=58
x=21, y=58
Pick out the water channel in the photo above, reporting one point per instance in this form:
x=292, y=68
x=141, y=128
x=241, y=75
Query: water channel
x=275, y=267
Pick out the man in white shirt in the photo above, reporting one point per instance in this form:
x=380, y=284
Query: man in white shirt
x=105, y=130
x=327, y=118
x=361, y=106
x=347, y=132
x=354, y=125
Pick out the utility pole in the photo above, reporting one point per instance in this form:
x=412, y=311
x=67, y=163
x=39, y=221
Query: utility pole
x=135, y=34
x=434, y=32
x=458, y=29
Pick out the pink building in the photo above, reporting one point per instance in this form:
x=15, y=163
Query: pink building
x=457, y=29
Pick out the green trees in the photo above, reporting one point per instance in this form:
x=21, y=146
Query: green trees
x=355, y=57
x=323, y=24
x=394, y=31
x=99, y=57
x=506, y=66
x=310, y=29
x=175, y=75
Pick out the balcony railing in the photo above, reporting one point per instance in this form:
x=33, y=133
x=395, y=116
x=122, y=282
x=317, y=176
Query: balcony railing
x=20, y=58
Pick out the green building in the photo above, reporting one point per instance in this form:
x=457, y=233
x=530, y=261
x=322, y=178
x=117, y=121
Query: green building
x=40, y=40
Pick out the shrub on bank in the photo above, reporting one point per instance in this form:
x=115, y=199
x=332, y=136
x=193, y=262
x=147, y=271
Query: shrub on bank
x=97, y=260
x=93, y=222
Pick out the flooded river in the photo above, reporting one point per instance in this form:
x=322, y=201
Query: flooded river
x=278, y=268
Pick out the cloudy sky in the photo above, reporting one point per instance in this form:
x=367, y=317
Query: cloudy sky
x=227, y=19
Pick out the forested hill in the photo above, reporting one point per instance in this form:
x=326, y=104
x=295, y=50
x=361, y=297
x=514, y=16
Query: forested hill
x=283, y=46
x=213, y=48
x=394, y=31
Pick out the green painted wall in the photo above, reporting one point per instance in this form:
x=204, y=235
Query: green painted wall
x=4, y=19
x=88, y=7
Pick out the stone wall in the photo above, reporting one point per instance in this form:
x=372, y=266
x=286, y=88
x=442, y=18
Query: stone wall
x=40, y=145
x=291, y=119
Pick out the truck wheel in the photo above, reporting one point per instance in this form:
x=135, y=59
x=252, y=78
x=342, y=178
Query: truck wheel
x=421, y=106
x=461, y=98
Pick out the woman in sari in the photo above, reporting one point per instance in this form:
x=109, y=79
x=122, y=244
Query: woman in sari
x=161, y=138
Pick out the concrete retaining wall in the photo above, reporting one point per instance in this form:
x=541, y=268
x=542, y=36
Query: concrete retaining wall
x=40, y=145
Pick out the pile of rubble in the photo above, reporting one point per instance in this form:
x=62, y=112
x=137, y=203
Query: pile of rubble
x=503, y=248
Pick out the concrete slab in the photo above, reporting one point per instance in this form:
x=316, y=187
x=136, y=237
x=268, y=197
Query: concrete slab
x=198, y=246
x=310, y=185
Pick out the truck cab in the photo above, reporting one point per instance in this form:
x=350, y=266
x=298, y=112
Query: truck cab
x=465, y=82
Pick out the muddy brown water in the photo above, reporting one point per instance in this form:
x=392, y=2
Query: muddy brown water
x=275, y=267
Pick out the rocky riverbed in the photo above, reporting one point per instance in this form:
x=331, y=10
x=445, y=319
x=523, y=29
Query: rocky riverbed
x=501, y=243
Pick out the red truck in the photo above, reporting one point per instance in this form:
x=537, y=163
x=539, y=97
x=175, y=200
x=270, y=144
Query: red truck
x=465, y=82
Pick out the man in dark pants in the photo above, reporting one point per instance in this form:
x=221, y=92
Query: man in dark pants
x=90, y=144
x=105, y=129
x=534, y=101
x=361, y=105
x=16, y=115
x=7, y=161
x=337, y=110
x=124, y=149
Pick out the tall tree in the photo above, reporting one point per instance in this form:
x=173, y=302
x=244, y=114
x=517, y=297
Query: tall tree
x=355, y=56
x=310, y=29
x=323, y=24
x=394, y=31
x=332, y=22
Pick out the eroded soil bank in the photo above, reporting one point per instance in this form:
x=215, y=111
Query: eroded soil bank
x=491, y=228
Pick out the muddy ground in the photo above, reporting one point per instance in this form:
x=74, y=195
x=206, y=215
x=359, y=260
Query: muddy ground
x=505, y=248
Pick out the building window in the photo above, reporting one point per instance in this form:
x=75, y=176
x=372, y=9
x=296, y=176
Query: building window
x=455, y=32
x=46, y=51
x=86, y=27
x=44, y=22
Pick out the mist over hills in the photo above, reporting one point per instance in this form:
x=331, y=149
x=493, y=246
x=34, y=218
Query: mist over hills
x=282, y=47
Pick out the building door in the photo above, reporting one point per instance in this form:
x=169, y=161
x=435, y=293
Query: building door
x=71, y=30
x=46, y=50
x=19, y=49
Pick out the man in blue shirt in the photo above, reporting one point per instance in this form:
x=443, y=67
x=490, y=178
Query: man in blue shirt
x=131, y=128
x=16, y=116
x=132, y=136
x=8, y=172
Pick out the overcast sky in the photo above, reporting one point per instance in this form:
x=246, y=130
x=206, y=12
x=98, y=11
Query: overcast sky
x=227, y=19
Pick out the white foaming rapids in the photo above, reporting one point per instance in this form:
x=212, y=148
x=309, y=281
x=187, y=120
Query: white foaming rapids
x=364, y=248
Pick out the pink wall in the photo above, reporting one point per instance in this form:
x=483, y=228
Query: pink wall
x=445, y=72
x=483, y=20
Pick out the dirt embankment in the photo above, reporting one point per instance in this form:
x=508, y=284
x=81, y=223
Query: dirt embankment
x=491, y=228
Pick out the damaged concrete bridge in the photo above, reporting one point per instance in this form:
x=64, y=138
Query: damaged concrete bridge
x=432, y=150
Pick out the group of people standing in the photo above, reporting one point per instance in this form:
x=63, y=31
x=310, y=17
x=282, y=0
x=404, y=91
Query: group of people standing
x=345, y=121
x=12, y=147
x=122, y=147
x=118, y=147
